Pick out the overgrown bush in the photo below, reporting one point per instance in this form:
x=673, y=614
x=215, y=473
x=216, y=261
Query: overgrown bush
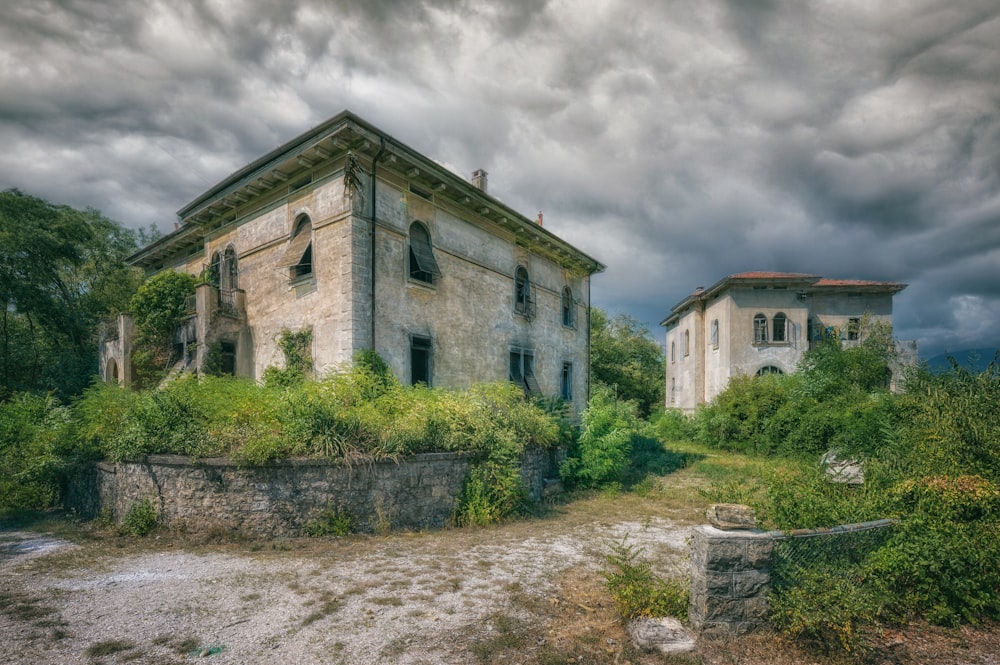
x=141, y=519
x=636, y=590
x=33, y=455
x=601, y=456
x=158, y=308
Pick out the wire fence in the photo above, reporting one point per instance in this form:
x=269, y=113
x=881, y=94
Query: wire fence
x=839, y=551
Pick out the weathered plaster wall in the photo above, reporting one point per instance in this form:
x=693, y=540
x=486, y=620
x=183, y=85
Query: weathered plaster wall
x=468, y=312
x=280, y=499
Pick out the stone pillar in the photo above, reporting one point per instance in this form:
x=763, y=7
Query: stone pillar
x=730, y=578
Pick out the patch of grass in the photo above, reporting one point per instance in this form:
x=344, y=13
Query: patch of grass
x=330, y=605
x=108, y=648
x=22, y=607
x=393, y=601
x=507, y=634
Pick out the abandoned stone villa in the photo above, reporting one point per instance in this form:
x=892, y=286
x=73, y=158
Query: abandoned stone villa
x=350, y=234
x=756, y=323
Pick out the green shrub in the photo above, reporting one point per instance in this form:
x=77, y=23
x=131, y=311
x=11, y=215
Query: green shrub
x=637, y=591
x=33, y=452
x=602, y=454
x=141, y=519
x=825, y=608
x=330, y=521
x=158, y=307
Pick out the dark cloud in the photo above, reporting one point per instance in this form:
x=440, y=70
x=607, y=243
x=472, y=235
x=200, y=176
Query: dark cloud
x=677, y=142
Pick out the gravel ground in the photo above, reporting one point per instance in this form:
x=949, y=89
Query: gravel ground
x=403, y=598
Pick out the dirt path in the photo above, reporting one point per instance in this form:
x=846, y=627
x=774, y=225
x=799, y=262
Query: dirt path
x=452, y=596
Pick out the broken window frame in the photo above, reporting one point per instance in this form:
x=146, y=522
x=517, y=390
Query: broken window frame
x=522, y=291
x=423, y=265
x=522, y=370
x=568, y=319
x=760, y=329
x=298, y=256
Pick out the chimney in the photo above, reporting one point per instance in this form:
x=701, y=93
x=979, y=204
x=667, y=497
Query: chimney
x=479, y=179
x=539, y=217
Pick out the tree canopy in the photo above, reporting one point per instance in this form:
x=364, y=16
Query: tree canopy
x=624, y=357
x=62, y=271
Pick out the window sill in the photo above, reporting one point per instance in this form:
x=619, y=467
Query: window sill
x=302, y=285
x=420, y=284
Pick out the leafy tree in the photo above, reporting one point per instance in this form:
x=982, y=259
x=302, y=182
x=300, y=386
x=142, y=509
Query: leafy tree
x=158, y=306
x=62, y=271
x=624, y=357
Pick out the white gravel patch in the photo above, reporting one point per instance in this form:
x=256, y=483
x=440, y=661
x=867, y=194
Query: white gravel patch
x=408, y=599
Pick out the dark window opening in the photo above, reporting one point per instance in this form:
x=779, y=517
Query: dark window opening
x=420, y=361
x=423, y=266
x=769, y=369
x=421, y=193
x=567, y=382
x=780, y=327
x=715, y=333
x=228, y=358
x=522, y=291
x=522, y=371
x=567, y=307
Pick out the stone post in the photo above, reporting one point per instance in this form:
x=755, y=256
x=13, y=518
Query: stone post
x=730, y=578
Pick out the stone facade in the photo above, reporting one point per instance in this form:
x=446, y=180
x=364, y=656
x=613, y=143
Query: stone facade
x=351, y=235
x=759, y=322
x=730, y=579
x=208, y=495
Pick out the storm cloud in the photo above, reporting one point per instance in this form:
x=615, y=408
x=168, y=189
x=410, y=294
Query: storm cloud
x=677, y=142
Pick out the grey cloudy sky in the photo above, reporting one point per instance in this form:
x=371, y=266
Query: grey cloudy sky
x=676, y=141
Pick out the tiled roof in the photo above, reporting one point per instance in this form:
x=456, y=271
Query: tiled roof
x=771, y=275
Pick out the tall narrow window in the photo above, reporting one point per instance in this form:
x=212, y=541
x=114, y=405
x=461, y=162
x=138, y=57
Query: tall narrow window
x=780, y=328
x=214, y=270
x=420, y=361
x=567, y=307
x=760, y=329
x=229, y=279
x=298, y=257
x=687, y=342
x=567, y=382
x=522, y=370
x=715, y=333
x=673, y=391
x=673, y=351
x=522, y=291
x=423, y=266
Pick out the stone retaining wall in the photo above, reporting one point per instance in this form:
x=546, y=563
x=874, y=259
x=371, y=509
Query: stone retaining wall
x=418, y=492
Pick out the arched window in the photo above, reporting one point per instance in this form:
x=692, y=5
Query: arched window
x=687, y=342
x=522, y=291
x=230, y=275
x=715, y=333
x=760, y=329
x=423, y=267
x=298, y=257
x=673, y=391
x=769, y=369
x=214, y=270
x=111, y=372
x=567, y=307
x=780, y=328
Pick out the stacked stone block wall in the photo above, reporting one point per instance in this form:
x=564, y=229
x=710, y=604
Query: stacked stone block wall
x=730, y=579
x=279, y=500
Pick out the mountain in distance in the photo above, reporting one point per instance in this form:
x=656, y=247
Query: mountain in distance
x=976, y=360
